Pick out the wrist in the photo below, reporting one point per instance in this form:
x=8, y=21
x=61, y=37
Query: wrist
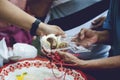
x=35, y=27
x=103, y=36
x=41, y=29
x=81, y=63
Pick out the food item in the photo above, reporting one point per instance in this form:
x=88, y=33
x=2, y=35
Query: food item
x=53, y=42
x=62, y=45
x=21, y=77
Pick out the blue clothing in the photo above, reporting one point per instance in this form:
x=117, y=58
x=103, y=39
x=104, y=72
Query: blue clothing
x=113, y=24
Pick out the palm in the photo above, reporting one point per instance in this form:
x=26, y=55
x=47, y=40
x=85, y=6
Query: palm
x=89, y=38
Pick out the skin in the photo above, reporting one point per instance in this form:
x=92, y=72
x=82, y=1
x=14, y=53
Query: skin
x=14, y=15
x=97, y=23
x=95, y=37
x=87, y=37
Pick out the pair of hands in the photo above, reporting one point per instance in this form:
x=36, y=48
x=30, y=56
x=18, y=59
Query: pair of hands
x=86, y=37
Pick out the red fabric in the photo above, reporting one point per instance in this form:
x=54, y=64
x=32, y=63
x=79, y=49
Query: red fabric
x=55, y=58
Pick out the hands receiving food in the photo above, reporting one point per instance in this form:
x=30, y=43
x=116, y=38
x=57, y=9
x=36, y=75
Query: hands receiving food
x=86, y=37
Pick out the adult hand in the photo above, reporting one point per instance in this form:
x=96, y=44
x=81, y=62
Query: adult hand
x=97, y=23
x=86, y=37
x=45, y=29
x=64, y=56
x=68, y=57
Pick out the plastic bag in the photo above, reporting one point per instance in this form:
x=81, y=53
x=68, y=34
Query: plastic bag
x=71, y=46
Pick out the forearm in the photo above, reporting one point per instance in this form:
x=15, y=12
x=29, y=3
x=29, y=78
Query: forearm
x=105, y=63
x=15, y=15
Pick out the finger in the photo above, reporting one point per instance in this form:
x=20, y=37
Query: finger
x=86, y=45
x=97, y=25
x=81, y=34
x=60, y=32
x=75, y=38
x=62, y=54
x=45, y=51
x=96, y=21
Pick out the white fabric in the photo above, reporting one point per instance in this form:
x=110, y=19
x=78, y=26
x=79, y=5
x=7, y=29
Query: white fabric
x=3, y=52
x=3, y=49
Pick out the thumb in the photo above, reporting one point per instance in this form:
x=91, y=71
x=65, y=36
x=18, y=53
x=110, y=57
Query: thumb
x=82, y=34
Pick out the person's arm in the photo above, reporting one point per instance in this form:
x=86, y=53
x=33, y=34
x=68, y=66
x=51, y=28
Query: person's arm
x=103, y=36
x=98, y=23
x=15, y=15
x=104, y=63
x=87, y=37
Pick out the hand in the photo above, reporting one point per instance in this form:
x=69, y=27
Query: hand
x=68, y=57
x=97, y=23
x=45, y=29
x=86, y=37
x=64, y=56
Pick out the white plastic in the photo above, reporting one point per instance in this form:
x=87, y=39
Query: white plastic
x=24, y=50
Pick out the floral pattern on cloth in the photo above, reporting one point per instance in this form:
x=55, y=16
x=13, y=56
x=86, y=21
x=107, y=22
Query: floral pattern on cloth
x=45, y=71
